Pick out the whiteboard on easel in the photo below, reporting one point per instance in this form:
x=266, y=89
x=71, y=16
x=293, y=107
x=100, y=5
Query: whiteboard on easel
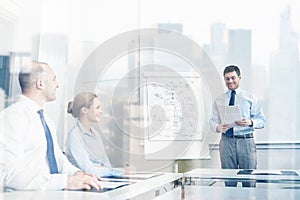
x=173, y=114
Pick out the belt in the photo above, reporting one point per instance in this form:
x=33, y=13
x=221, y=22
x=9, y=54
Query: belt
x=245, y=136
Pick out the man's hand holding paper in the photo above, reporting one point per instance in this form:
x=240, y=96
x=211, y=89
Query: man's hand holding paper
x=222, y=128
x=244, y=122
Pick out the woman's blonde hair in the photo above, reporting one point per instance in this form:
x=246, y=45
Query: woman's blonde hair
x=83, y=99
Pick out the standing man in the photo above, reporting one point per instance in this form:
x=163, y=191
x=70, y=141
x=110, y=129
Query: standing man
x=237, y=146
x=32, y=156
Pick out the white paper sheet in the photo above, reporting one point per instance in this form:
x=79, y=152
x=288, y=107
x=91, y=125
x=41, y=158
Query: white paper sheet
x=230, y=114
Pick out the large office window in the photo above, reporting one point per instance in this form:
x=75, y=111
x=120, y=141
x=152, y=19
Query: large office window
x=82, y=40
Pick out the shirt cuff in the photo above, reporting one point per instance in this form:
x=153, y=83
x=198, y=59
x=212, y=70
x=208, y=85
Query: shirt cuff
x=57, y=182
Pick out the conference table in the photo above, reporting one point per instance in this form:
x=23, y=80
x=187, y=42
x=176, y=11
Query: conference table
x=148, y=188
x=270, y=184
x=194, y=184
x=210, y=177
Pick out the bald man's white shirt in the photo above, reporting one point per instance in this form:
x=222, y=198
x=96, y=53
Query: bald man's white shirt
x=25, y=150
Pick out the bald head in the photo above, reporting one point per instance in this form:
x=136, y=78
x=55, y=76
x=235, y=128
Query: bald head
x=38, y=82
x=29, y=74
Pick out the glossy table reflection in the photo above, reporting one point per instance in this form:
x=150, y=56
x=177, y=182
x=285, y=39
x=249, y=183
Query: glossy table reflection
x=141, y=189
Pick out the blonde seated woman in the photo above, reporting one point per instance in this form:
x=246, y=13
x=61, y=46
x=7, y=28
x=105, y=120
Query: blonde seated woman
x=84, y=146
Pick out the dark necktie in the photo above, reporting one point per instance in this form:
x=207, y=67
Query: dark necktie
x=229, y=132
x=50, y=149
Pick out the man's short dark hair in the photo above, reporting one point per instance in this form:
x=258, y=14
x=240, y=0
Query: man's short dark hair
x=232, y=68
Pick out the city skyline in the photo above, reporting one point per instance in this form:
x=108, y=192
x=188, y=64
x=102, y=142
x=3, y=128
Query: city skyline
x=65, y=33
x=262, y=17
x=96, y=21
x=80, y=38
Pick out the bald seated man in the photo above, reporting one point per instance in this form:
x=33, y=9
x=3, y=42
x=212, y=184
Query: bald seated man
x=32, y=156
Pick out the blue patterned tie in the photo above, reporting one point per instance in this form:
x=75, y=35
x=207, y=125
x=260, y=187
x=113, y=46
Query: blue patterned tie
x=229, y=132
x=50, y=149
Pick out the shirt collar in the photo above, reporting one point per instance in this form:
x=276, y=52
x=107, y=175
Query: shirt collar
x=30, y=103
x=237, y=91
x=83, y=129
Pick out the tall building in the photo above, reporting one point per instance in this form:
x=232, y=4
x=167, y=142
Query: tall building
x=284, y=94
x=166, y=58
x=217, y=38
x=217, y=49
x=5, y=74
x=239, y=53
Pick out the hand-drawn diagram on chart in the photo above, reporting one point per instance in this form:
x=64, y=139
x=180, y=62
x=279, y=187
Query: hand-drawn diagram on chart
x=173, y=107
